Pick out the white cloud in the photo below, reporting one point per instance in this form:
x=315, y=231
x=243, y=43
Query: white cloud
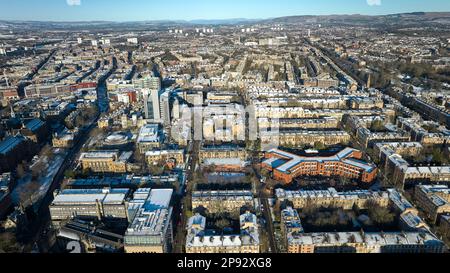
x=374, y=2
x=73, y=2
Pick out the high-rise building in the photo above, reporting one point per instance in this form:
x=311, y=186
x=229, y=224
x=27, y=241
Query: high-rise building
x=151, y=106
x=165, y=108
x=150, y=82
x=176, y=109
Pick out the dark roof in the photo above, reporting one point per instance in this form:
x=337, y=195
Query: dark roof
x=34, y=124
x=8, y=144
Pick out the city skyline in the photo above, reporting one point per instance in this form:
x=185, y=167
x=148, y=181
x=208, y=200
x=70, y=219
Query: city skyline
x=224, y=127
x=138, y=10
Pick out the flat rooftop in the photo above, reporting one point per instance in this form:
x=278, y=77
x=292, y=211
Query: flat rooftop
x=149, y=133
x=152, y=216
x=89, y=196
x=99, y=155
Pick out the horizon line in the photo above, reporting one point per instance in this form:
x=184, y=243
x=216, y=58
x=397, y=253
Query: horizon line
x=214, y=19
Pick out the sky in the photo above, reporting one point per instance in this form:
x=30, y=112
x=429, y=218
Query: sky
x=141, y=10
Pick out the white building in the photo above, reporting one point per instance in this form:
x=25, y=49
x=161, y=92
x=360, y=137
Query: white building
x=132, y=41
x=150, y=229
x=148, y=138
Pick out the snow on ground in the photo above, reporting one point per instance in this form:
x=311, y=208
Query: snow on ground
x=49, y=171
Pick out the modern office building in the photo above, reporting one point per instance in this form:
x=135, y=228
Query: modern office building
x=150, y=216
x=165, y=108
x=152, y=109
x=147, y=82
x=101, y=204
x=176, y=109
x=148, y=138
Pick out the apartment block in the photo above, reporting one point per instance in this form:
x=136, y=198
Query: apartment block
x=332, y=198
x=200, y=240
x=360, y=242
x=287, y=166
x=434, y=200
x=216, y=201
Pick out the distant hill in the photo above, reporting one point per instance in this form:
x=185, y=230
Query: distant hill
x=397, y=20
x=402, y=19
x=224, y=21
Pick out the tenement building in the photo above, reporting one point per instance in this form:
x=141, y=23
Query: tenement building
x=224, y=151
x=361, y=242
x=434, y=200
x=200, y=240
x=399, y=172
x=294, y=137
x=215, y=201
x=174, y=156
x=332, y=198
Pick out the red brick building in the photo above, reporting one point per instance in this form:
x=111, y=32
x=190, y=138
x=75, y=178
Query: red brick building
x=346, y=163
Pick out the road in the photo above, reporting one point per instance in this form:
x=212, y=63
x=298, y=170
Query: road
x=180, y=236
x=260, y=192
x=255, y=156
x=266, y=212
x=269, y=224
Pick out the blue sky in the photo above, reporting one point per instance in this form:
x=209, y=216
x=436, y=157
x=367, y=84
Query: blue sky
x=137, y=10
